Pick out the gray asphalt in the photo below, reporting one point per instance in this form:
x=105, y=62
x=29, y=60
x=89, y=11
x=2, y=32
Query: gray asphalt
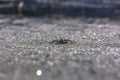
x=28, y=45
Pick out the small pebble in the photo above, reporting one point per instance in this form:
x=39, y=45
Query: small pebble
x=38, y=72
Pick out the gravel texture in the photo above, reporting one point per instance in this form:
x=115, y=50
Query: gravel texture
x=28, y=45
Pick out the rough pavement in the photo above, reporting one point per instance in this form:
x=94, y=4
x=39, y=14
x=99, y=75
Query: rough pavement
x=25, y=47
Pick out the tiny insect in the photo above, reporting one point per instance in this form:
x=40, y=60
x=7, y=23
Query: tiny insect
x=62, y=41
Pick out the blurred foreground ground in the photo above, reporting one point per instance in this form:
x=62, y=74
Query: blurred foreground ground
x=25, y=48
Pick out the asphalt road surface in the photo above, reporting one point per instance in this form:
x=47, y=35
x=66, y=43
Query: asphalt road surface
x=59, y=48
